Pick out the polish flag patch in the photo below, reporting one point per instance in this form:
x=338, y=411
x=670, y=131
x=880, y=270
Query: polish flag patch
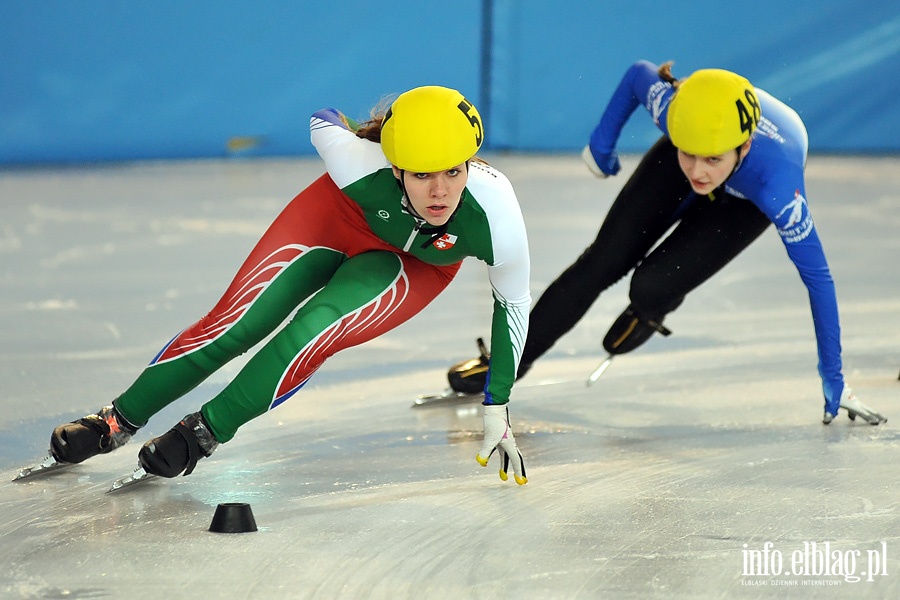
x=445, y=242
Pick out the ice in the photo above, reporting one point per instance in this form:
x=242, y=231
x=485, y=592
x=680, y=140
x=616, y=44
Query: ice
x=662, y=479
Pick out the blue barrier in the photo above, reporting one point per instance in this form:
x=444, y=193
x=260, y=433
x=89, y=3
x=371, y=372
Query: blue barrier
x=96, y=81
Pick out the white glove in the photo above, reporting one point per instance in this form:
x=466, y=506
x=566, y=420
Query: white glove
x=499, y=436
x=591, y=163
x=855, y=408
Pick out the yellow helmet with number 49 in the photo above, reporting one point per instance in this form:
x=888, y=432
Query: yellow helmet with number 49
x=713, y=111
x=430, y=129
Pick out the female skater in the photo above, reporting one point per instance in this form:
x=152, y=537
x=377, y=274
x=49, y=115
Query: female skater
x=361, y=250
x=729, y=163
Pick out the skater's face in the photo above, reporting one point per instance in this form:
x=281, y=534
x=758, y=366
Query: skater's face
x=706, y=173
x=435, y=196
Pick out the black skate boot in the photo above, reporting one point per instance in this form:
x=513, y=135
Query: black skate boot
x=99, y=433
x=630, y=330
x=178, y=449
x=470, y=376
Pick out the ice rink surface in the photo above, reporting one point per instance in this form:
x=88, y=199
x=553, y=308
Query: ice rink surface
x=697, y=467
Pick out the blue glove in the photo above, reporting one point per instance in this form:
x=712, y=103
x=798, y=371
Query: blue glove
x=499, y=436
x=854, y=408
x=601, y=165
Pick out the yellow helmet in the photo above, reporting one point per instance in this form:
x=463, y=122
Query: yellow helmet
x=713, y=111
x=429, y=129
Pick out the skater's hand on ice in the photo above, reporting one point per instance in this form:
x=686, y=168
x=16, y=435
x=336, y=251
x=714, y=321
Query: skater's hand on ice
x=854, y=409
x=499, y=436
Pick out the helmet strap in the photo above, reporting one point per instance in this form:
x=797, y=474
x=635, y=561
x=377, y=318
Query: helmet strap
x=433, y=233
x=737, y=165
x=740, y=160
x=404, y=199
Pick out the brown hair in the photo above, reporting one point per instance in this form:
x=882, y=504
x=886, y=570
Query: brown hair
x=371, y=129
x=665, y=73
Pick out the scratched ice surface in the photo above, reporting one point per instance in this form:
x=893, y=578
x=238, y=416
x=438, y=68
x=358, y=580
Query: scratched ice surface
x=697, y=467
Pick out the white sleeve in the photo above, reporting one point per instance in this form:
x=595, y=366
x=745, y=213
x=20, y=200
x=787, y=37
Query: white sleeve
x=510, y=271
x=347, y=157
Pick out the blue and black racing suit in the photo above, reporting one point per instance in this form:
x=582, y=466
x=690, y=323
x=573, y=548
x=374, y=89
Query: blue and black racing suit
x=767, y=187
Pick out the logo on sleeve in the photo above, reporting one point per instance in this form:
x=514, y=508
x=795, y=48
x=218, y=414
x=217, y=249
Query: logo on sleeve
x=657, y=100
x=799, y=222
x=445, y=242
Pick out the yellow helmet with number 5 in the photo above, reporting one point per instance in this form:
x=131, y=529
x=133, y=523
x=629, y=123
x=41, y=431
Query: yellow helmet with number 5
x=713, y=111
x=430, y=129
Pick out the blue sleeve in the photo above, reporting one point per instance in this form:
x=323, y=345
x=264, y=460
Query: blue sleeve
x=775, y=168
x=801, y=240
x=640, y=85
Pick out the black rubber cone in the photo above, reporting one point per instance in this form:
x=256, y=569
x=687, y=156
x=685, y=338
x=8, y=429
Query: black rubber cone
x=233, y=517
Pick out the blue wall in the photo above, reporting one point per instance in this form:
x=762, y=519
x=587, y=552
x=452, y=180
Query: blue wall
x=86, y=80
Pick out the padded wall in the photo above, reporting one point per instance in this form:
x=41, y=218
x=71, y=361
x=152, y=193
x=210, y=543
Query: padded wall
x=84, y=80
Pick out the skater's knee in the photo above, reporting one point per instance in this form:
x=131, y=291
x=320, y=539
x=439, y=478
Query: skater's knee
x=646, y=291
x=316, y=318
x=651, y=297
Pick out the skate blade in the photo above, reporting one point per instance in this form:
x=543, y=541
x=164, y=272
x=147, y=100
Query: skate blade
x=592, y=379
x=48, y=465
x=135, y=477
x=446, y=397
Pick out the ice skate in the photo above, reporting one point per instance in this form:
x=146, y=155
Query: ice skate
x=467, y=379
x=179, y=449
x=48, y=465
x=99, y=433
x=600, y=370
x=470, y=376
x=630, y=330
x=133, y=478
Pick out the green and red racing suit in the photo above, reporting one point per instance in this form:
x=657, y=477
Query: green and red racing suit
x=357, y=263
